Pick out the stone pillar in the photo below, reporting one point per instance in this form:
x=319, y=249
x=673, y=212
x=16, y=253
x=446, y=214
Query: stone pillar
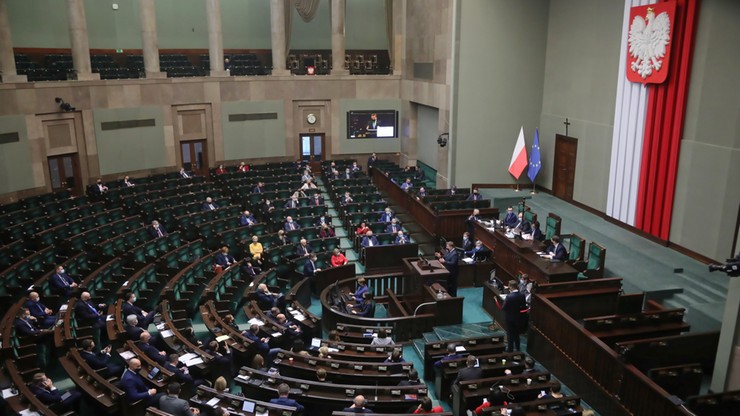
x=277, y=30
x=398, y=60
x=7, y=59
x=215, y=38
x=78, y=40
x=338, y=8
x=150, y=47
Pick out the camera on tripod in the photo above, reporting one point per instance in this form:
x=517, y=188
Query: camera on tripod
x=731, y=268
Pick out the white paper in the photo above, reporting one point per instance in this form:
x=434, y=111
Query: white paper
x=127, y=355
x=459, y=348
x=109, y=318
x=260, y=414
x=213, y=402
x=187, y=357
x=256, y=321
x=222, y=338
x=7, y=393
x=194, y=361
x=243, y=376
x=276, y=334
x=166, y=333
x=29, y=412
x=63, y=308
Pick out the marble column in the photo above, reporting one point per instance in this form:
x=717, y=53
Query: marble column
x=78, y=40
x=398, y=60
x=215, y=38
x=7, y=59
x=277, y=30
x=338, y=8
x=150, y=47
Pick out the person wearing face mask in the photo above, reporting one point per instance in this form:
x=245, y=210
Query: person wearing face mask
x=99, y=188
x=143, y=317
x=133, y=384
x=475, y=196
x=25, y=324
x=62, y=283
x=45, y=317
x=510, y=220
x=387, y=216
x=156, y=230
x=43, y=388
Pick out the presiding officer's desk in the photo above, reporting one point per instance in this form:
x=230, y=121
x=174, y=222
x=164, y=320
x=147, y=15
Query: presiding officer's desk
x=321, y=398
x=513, y=257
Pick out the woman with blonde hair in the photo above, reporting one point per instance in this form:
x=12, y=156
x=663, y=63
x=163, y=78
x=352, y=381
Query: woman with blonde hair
x=221, y=385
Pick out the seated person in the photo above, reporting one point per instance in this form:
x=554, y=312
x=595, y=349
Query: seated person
x=510, y=219
x=259, y=188
x=386, y=216
x=338, y=259
x=346, y=199
x=394, y=227
x=362, y=229
x=181, y=371
x=133, y=384
x=243, y=167
x=45, y=317
x=382, y=339
x=290, y=225
x=366, y=308
x=25, y=324
x=306, y=176
x=426, y=407
x=281, y=238
x=470, y=372
x=478, y=251
x=317, y=200
x=303, y=249
x=536, y=232
x=265, y=299
x=496, y=397
x=422, y=193
x=99, y=188
x=143, y=317
x=209, y=205
x=413, y=379
x=361, y=289
x=89, y=314
x=326, y=231
x=291, y=329
x=308, y=185
x=419, y=174
x=309, y=268
x=99, y=361
x=347, y=174
x=132, y=328
x=451, y=355
x=522, y=225
x=554, y=392
x=260, y=343
x=358, y=405
x=283, y=400
x=249, y=269
x=369, y=240
x=220, y=170
x=63, y=283
x=256, y=249
x=127, y=182
x=407, y=185
x=156, y=230
x=355, y=168
x=556, y=251
x=160, y=357
x=184, y=174
x=43, y=388
x=292, y=202
x=173, y=404
x=321, y=221
x=396, y=357
x=247, y=219
x=475, y=196
x=223, y=259
x=401, y=239
x=267, y=207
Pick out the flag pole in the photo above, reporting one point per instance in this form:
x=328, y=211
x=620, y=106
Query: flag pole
x=517, y=185
x=534, y=188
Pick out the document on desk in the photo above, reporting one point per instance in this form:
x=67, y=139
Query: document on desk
x=194, y=361
x=187, y=357
x=109, y=318
x=255, y=321
x=127, y=355
x=167, y=333
x=9, y=393
x=213, y=402
x=459, y=348
x=29, y=412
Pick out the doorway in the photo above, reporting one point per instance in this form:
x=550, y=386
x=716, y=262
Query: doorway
x=312, y=149
x=64, y=172
x=564, y=167
x=194, y=155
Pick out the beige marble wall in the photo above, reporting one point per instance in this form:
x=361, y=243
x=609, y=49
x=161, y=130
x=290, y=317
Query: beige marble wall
x=36, y=102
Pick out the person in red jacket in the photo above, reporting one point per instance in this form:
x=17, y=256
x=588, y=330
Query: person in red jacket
x=425, y=407
x=338, y=259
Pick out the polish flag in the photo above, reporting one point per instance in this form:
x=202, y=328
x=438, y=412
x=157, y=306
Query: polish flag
x=519, y=158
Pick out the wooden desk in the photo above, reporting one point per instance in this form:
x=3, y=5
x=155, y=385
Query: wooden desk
x=330, y=275
x=515, y=256
x=388, y=257
x=435, y=271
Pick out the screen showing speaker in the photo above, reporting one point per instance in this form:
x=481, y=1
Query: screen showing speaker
x=372, y=124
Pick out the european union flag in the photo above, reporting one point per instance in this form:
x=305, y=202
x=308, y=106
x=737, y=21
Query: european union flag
x=534, y=158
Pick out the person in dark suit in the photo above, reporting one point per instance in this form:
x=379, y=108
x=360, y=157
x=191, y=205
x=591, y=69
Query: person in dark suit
x=156, y=230
x=259, y=188
x=523, y=226
x=346, y=199
x=510, y=219
x=247, y=219
x=515, y=315
x=221, y=363
x=303, y=249
x=143, y=317
x=451, y=355
x=283, y=400
x=367, y=307
x=260, y=343
x=467, y=243
x=174, y=405
x=317, y=200
x=62, y=283
x=369, y=240
x=210, y=205
x=479, y=251
x=99, y=188
x=362, y=288
x=45, y=317
x=25, y=324
x=536, y=232
x=291, y=330
x=449, y=259
x=88, y=314
x=470, y=372
x=43, y=388
x=475, y=196
x=413, y=379
x=265, y=299
x=401, y=239
x=160, y=357
x=184, y=174
x=127, y=182
x=452, y=191
x=224, y=259
x=471, y=220
x=309, y=268
x=347, y=174
x=358, y=405
x=292, y=202
x=249, y=269
x=371, y=161
x=181, y=371
x=290, y=225
x=132, y=328
x=556, y=251
x=99, y=360
x=394, y=227
x=355, y=168
x=132, y=383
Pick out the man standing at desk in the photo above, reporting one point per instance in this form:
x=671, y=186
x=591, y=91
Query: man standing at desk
x=449, y=259
x=515, y=313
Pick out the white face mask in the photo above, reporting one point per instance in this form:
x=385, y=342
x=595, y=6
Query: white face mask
x=133, y=299
x=61, y=270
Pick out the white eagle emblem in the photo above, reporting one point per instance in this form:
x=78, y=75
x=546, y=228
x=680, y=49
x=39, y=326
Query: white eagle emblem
x=648, y=41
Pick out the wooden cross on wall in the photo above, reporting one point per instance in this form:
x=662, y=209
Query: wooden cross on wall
x=567, y=123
